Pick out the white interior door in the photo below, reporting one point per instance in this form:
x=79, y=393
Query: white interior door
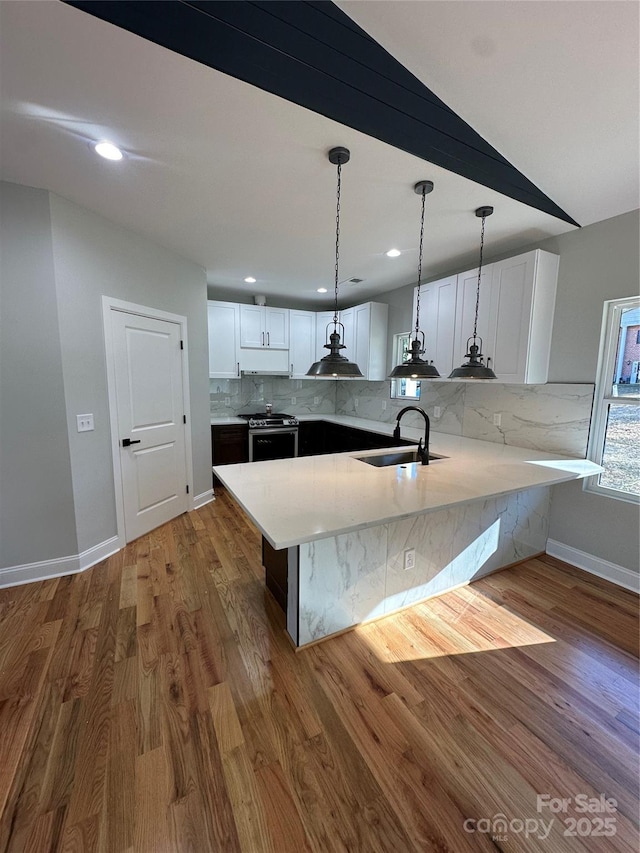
x=150, y=417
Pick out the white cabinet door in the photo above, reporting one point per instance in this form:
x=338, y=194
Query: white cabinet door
x=302, y=342
x=276, y=327
x=370, y=339
x=523, y=291
x=347, y=318
x=465, y=309
x=438, y=322
x=224, y=340
x=262, y=326
x=252, y=332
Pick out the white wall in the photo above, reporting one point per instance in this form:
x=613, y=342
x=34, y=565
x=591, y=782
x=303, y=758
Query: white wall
x=53, y=368
x=37, y=515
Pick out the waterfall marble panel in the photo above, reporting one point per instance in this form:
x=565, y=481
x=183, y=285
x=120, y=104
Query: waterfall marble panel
x=356, y=577
x=500, y=531
x=432, y=538
x=341, y=582
x=543, y=417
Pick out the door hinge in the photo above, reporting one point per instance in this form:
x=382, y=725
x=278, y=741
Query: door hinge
x=187, y=489
x=181, y=344
x=184, y=419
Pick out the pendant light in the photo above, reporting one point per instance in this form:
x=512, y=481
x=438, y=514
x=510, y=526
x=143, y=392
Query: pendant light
x=416, y=367
x=475, y=369
x=335, y=364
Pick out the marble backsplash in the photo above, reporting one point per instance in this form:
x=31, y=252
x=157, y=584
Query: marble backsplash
x=311, y=396
x=553, y=417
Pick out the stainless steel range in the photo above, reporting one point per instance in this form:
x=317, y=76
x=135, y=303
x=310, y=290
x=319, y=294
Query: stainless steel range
x=272, y=435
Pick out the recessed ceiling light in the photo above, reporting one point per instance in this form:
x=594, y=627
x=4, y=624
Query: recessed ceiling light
x=322, y=290
x=393, y=253
x=250, y=279
x=108, y=150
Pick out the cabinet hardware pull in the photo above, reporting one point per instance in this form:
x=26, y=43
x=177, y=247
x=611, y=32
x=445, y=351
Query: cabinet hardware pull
x=268, y=340
x=238, y=363
x=262, y=338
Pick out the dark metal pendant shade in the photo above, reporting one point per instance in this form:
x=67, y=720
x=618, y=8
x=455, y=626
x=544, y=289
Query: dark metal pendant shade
x=334, y=364
x=475, y=369
x=416, y=367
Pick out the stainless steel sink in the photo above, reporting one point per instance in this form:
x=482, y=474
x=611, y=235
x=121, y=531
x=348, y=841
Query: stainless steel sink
x=398, y=457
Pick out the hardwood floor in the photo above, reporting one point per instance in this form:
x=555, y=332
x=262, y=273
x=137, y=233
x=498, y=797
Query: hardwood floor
x=154, y=703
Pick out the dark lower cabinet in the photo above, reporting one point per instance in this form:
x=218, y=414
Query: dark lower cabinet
x=229, y=443
x=276, y=564
x=318, y=437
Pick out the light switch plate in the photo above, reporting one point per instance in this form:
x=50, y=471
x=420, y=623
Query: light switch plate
x=85, y=423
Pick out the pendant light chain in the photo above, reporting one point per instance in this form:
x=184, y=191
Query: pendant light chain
x=424, y=196
x=335, y=309
x=475, y=322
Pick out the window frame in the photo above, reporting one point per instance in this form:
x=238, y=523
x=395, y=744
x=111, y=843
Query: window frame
x=603, y=399
x=398, y=356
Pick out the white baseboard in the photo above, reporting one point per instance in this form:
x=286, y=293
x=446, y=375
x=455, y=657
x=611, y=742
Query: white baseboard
x=202, y=499
x=594, y=565
x=100, y=552
x=46, y=569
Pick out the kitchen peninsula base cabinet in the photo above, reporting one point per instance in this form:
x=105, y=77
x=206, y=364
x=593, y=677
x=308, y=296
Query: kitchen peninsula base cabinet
x=479, y=506
x=333, y=584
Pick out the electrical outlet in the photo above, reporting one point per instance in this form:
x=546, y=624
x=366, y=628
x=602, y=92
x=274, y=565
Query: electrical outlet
x=85, y=423
x=410, y=558
x=294, y=400
x=384, y=405
x=356, y=402
x=436, y=412
x=497, y=419
x=316, y=401
x=227, y=401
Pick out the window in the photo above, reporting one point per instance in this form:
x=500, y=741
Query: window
x=614, y=440
x=404, y=388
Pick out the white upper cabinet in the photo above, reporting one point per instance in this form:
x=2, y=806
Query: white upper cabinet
x=264, y=326
x=466, y=309
x=224, y=340
x=302, y=342
x=438, y=321
x=365, y=337
x=347, y=318
x=523, y=296
x=370, y=339
x=515, y=317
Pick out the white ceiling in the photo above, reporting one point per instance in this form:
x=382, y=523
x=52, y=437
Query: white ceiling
x=237, y=179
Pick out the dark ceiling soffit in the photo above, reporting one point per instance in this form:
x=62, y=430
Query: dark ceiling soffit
x=314, y=55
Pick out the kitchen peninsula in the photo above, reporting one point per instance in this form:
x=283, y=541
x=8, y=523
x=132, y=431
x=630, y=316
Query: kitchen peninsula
x=345, y=526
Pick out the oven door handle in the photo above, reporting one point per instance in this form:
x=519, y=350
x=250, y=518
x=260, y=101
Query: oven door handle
x=273, y=431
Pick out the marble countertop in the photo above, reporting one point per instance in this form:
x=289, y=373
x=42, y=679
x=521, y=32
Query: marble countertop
x=222, y=420
x=299, y=500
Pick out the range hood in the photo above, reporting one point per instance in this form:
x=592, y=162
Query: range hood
x=265, y=373
x=264, y=362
